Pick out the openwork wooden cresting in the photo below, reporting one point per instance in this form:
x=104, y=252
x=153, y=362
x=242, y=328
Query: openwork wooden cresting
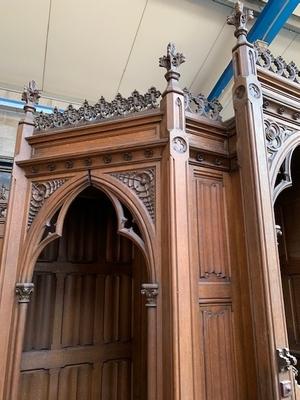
x=141, y=258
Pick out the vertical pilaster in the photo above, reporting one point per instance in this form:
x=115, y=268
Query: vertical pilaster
x=11, y=311
x=176, y=257
x=263, y=266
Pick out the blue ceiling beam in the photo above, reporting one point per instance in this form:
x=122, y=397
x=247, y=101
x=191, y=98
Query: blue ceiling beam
x=266, y=27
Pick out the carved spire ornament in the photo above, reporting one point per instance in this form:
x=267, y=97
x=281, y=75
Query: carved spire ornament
x=171, y=62
x=240, y=19
x=31, y=94
x=24, y=292
x=150, y=290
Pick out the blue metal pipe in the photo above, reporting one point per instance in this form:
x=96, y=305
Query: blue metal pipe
x=266, y=27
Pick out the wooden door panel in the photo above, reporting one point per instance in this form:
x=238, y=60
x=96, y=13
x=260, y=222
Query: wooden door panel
x=81, y=340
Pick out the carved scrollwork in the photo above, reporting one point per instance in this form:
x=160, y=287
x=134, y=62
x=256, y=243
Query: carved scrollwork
x=201, y=106
x=142, y=183
x=275, y=134
x=277, y=65
x=40, y=192
x=103, y=109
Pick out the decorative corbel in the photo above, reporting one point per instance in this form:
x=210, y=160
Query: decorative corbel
x=150, y=290
x=24, y=291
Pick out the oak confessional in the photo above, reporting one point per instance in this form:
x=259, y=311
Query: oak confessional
x=152, y=251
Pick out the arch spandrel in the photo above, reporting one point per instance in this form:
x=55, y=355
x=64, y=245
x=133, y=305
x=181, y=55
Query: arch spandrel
x=60, y=202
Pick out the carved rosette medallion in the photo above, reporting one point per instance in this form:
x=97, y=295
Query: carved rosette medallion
x=150, y=291
x=39, y=193
x=179, y=144
x=142, y=183
x=254, y=90
x=240, y=92
x=24, y=292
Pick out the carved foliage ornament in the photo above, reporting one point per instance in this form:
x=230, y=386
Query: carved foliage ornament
x=172, y=60
x=150, y=291
x=179, y=144
x=277, y=65
x=40, y=192
x=31, y=94
x=142, y=183
x=201, y=106
x=240, y=19
x=103, y=109
x=275, y=134
x=24, y=292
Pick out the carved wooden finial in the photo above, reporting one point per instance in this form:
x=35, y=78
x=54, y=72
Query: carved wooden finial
x=240, y=19
x=31, y=94
x=171, y=62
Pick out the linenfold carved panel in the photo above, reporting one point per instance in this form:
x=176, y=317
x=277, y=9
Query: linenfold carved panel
x=39, y=193
x=211, y=228
x=142, y=183
x=218, y=352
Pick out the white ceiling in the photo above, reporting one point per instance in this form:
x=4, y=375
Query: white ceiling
x=84, y=49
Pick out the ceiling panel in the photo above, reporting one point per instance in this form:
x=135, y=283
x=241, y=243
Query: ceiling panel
x=23, y=29
x=89, y=43
x=192, y=25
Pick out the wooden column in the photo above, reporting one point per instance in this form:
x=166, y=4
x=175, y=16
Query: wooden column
x=16, y=225
x=175, y=246
x=150, y=291
x=268, y=316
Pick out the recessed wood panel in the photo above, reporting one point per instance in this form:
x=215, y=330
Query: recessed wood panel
x=218, y=352
x=211, y=227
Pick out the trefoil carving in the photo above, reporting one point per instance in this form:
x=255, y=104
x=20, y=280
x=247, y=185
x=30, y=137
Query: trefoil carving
x=39, y=193
x=24, y=292
x=142, y=183
x=276, y=134
x=150, y=291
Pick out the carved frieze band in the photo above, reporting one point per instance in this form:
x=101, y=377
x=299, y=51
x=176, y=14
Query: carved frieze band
x=201, y=106
x=103, y=109
x=142, y=183
x=276, y=134
x=39, y=193
x=277, y=65
x=24, y=292
x=150, y=291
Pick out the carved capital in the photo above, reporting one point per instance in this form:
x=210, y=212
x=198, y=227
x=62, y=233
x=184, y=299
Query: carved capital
x=240, y=19
x=24, y=292
x=285, y=360
x=150, y=290
x=31, y=94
